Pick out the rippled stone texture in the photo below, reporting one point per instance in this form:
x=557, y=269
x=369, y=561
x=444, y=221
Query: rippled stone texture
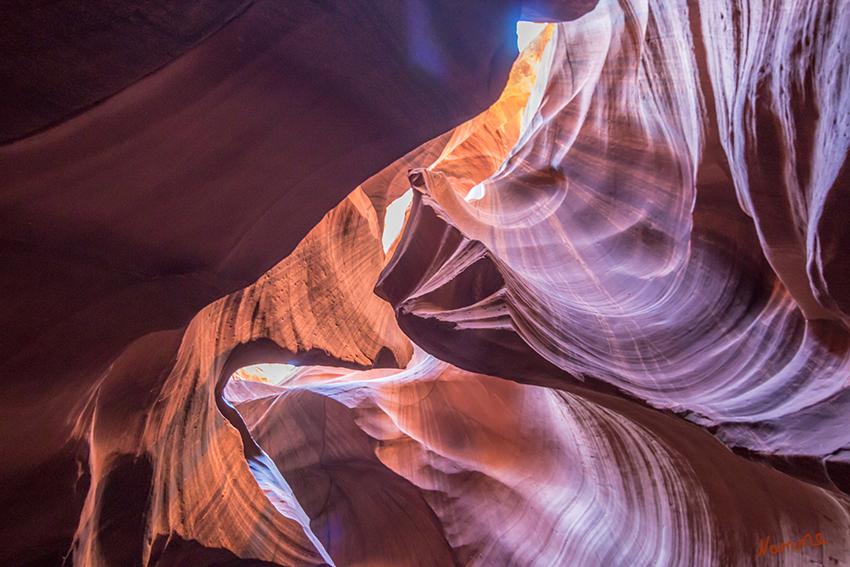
x=609, y=245
x=176, y=442
x=475, y=470
x=219, y=149
x=632, y=262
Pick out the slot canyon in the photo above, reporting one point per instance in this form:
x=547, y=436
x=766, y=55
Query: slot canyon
x=307, y=283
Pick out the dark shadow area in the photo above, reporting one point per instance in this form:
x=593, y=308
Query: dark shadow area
x=174, y=551
x=44, y=43
x=120, y=521
x=809, y=469
x=40, y=530
x=838, y=469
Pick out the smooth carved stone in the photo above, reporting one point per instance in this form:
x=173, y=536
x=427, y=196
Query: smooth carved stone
x=609, y=247
x=44, y=44
x=433, y=465
x=478, y=148
x=650, y=215
x=192, y=182
x=785, y=129
x=160, y=428
x=172, y=156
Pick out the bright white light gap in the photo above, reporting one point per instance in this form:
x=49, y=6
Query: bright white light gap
x=526, y=32
x=394, y=219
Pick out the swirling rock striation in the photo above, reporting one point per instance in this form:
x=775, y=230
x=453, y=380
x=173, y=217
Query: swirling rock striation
x=432, y=465
x=609, y=246
x=646, y=226
x=157, y=158
x=160, y=427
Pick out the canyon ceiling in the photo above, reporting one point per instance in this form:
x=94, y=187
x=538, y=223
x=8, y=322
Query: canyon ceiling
x=614, y=331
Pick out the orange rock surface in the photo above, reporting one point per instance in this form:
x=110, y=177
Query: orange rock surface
x=615, y=330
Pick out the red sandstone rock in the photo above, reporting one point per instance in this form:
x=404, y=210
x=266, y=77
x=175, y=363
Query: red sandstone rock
x=516, y=473
x=609, y=247
x=188, y=183
x=650, y=230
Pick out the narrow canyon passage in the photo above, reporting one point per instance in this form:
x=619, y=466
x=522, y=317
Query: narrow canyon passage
x=370, y=284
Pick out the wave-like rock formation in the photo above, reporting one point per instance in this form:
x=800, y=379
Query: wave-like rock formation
x=224, y=139
x=630, y=262
x=609, y=246
x=204, y=483
x=476, y=470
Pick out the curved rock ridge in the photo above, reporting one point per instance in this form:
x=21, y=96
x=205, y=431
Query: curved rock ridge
x=785, y=127
x=652, y=228
x=433, y=465
x=609, y=246
x=474, y=150
x=478, y=147
x=163, y=440
x=171, y=156
x=170, y=475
